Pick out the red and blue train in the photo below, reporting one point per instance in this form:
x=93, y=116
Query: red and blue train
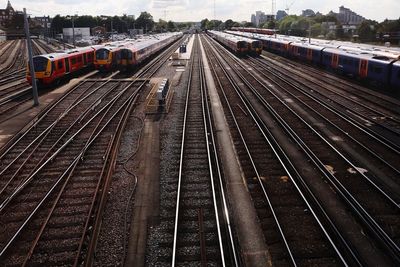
x=380, y=65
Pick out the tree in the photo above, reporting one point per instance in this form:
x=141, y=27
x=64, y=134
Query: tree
x=58, y=23
x=229, y=24
x=145, y=21
x=367, y=31
x=204, y=23
x=171, y=26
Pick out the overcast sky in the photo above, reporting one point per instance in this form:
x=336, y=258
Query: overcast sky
x=195, y=10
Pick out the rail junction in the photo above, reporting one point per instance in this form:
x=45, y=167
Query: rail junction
x=259, y=160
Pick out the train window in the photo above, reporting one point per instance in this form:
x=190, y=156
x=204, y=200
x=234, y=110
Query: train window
x=40, y=63
x=53, y=67
x=102, y=54
x=79, y=58
x=73, y=61
x=60, y=64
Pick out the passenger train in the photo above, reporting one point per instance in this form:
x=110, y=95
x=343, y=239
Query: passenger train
x=238, y=45
x=138, y=51
x=51, y=68
x=364, y=62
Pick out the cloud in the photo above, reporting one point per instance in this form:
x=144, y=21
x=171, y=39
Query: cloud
x=195, y=10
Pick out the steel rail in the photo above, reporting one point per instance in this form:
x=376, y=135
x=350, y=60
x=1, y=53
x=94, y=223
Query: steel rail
x=390, y=143
x=394, y=168
x=288, y=166
x=360, y=211
x=224, y=207
x=71, y=166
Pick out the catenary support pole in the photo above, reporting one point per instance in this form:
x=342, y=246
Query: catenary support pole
x=31, y=66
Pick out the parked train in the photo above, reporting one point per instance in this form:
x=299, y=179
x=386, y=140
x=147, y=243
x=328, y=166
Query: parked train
x=239, y=45
x=138, y=51
x=107, y=57
x=370, y=63
x=51, y=68
x=255, y=30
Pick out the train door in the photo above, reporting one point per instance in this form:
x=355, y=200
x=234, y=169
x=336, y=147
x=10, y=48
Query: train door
x=309, y=54
x=84, y=59
x=335, y=61
x=363, y=71
x=67, y=70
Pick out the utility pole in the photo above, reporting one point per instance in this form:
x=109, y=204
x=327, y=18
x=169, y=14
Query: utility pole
x=112, y=30
x=73, y=31
x=31, y=66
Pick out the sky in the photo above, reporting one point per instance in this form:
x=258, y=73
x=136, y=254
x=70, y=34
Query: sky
x=195, y=10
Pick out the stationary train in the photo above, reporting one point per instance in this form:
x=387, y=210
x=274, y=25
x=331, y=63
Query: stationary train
x=255, y=30
x=51, y=68
x=239, y=45
x=107, y=57
x=236, y=45
x=138, y=51
x=365, y=62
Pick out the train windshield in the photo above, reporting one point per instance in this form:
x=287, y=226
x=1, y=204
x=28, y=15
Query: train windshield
x=40, y=63
x=242, y=44
x=126, y=54
x=102, y=54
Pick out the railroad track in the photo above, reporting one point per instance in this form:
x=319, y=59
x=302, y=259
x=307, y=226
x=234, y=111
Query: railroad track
x=70, y=157
x=371, y=150
x=378, y=112
x=355, y=188
x=198, y=230
x=55, y=174
x=280, y=204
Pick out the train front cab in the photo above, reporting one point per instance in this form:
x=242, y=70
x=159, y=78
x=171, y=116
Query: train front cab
x=395, y=77
x=127, y=58
x=242, y=48
x=378, y=69
x=255, y=47
x=106, y=58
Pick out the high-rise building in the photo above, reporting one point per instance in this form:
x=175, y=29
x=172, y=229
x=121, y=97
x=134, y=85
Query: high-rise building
x=308, y=13
x=260, y=18
x=347, y=16
x=281, y=14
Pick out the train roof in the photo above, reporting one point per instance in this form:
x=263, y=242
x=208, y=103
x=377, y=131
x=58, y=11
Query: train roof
x=230, y=37
x=53, y=56
x=361, y=55
x=397, y=63
x=145, y=42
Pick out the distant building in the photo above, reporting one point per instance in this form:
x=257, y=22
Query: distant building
x=281, y=14
x=80, y=33
x=253, y=19
x=308, y=13
x=260, y=18
x=347, y=17
x=6, y=14
x=3, y=36
x=44, y=22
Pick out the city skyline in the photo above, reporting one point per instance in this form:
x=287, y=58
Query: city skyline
x=190, y=10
